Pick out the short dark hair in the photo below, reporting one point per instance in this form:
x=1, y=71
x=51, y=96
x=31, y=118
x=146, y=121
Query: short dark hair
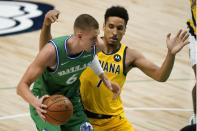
x=117, y=11
x=85, y=22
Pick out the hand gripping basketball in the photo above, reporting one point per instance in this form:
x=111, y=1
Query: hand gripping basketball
x=59, y=109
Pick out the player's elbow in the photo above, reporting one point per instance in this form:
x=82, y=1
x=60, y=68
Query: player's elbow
x=19, y=89
x=161, y=77
x=162, y=80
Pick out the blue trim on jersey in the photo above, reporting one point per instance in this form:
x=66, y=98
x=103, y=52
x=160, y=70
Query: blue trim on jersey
x=65, y=46
x=57, y=56
x=94, y=48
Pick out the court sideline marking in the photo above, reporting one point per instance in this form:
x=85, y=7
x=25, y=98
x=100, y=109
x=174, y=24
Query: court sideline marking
x=128, y=81
x=126, y=109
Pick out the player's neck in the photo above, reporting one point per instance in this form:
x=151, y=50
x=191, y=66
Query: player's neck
x=73, y=46
x=111, y=48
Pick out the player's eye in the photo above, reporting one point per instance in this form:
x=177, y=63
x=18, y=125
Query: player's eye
x=120, y=28
x=111, y=26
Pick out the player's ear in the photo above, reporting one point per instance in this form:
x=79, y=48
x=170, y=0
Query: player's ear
x=103, y=26
x=79, y=35
x=124, y=30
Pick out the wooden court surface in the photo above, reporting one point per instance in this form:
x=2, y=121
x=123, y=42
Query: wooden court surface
x=149, y=105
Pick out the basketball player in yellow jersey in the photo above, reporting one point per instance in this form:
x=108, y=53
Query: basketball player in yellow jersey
x=193, y=49
x=191, y=23
x=117, y=60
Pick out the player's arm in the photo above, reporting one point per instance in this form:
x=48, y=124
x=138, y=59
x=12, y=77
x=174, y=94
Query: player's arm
x=162, y=73
x=45, y=58
x=96, y=67
x=149, y=68
x=45, y=34
x=193, y=3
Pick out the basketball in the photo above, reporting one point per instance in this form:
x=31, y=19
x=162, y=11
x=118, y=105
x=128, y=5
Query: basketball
x=59, y=109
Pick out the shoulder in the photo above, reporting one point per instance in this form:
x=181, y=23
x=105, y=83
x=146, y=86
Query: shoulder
x=49, y=48
x=47, y=54
x=133, y=56
x=133, y=53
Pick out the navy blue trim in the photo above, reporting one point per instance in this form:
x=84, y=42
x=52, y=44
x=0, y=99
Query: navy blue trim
x=37, y=21
x=124, y=59
x=97, y=116
x=98, y=85
x=115, y=51
x=94, y=49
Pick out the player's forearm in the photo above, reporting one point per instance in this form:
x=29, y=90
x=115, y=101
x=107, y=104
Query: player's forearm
x=166, y=68
x=45, y=35
x=23, y=88
x=24, y=91
x=96, y=66
x=103, y=77
x=105, y=80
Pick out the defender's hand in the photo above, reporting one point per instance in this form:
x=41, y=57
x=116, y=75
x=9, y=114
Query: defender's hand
x=114, y=87
x=176, y=43
x=116, y=90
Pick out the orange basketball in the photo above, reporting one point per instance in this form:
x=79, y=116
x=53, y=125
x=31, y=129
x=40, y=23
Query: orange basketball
x=59, y=109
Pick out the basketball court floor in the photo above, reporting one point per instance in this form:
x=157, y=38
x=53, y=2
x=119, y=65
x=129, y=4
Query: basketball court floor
x=149, y=105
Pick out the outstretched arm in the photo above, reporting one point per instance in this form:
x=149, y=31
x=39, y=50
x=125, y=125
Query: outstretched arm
x=45, y=34
x=162, y=73
x=193, y=3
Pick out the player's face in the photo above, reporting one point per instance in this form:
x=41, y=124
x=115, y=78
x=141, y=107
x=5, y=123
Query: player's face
x=89, y=39
x=114, y=29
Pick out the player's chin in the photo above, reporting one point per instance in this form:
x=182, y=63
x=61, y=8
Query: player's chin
x=112, y=42
x=88, y=49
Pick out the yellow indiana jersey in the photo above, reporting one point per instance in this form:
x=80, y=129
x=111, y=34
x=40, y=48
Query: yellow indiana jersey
x=192, y=21
x=96, y=97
